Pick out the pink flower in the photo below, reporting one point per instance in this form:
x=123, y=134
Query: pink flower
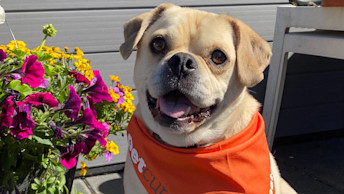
x=44, y=84
x=69, y=154
x=32, y=72
x=93, y=135
x=87, y=119
x=22, y=124
x=120, y=94
x=73, y=104
x=91, y=105
x=98, y=90
x=79, y=78
x=97, y=131
x=38, y=99
x=6, y=116
x=108, y=155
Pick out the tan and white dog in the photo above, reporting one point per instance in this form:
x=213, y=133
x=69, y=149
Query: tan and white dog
x=191, y=74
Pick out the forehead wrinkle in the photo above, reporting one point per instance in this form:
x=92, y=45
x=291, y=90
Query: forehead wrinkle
x=212, y=33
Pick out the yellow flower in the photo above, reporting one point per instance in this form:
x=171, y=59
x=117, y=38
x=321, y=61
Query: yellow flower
x=66, y=49
x=77, y=57
x=83, y=169
x=128, y=96
x=114, y=95
x=78, y=51
x=89, y=74
x=94, y=156
x=128, y=106
x=4, y=48
x=114, y=78
x=21, y=45
x=112, y=147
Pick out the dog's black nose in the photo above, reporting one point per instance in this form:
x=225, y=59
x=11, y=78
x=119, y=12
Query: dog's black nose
x=182, y=64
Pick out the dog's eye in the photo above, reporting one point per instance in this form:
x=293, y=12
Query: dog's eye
x=218, y=57
x=158, y=45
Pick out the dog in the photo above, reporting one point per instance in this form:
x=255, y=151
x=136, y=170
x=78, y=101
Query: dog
x=196, y=128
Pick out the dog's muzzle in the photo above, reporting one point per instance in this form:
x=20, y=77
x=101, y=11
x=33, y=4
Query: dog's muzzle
x=173, y=105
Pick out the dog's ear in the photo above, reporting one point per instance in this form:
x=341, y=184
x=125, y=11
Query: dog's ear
x=135, y=28
x=253, y=54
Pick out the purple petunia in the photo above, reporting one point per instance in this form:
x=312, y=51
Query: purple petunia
x=97, y=89
x=73, y=104
x=32, y=72
x=3, y=55
x=93, y=135
x=87, y=119
x=57, y=130
x=121, y=95
x=6, y=116
x=79, y=78
x=22, y=124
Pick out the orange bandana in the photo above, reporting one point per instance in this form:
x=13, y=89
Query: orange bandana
x=240, y=164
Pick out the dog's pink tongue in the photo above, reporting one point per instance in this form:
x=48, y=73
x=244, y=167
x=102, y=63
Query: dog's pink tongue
x=174, y=106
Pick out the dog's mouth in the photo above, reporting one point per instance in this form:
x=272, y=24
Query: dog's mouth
x=174, y=109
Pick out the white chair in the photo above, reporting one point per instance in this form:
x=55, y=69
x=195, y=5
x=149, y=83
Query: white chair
x=326, y=40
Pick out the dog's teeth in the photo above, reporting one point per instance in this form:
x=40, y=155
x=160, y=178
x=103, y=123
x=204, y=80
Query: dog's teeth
x=187, y=111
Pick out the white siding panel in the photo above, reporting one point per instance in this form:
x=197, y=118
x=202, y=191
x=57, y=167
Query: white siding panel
x=19, y=5
x=102, y=31
x=113, y=64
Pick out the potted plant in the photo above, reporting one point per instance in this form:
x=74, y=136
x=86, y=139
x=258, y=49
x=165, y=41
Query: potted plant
x=53, y=108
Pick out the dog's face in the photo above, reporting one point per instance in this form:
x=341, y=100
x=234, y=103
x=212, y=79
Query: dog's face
x=192, y=68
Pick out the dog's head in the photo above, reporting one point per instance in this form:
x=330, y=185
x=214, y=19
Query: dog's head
x=192, y=68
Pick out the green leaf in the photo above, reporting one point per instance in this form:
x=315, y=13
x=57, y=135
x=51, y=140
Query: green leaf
x=51, y=180
x=45, y=115
x=66, y=189
x=49, y=70
x=42, y=192
x=37, y=181
x=60, y=169
x=52, y=189
x=3, y=96
x=34, y=186
x=42, y=141
x=20, y=54
x=63, y=180
x=23, y=89
x=42, y=56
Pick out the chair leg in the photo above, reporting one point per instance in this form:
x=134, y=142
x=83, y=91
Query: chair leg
x=277, y=71
x=273, y=96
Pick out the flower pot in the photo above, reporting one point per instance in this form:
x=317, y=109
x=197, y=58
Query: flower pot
x=332, y=3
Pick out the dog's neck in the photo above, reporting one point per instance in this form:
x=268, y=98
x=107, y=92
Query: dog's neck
x=241, y=116
x=158, y=138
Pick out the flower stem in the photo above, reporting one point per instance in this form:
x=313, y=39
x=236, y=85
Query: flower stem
x=43, y=42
